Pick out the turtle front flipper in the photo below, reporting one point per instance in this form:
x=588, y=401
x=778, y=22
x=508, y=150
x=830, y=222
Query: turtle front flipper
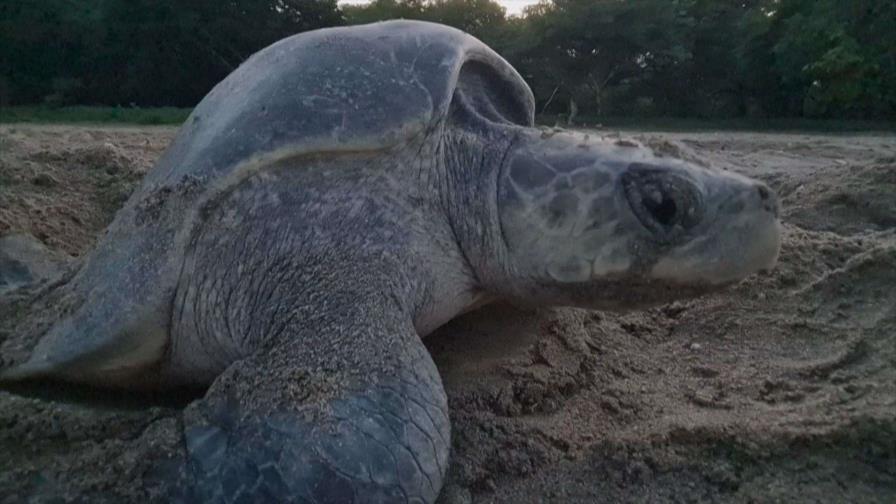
x=359, y=416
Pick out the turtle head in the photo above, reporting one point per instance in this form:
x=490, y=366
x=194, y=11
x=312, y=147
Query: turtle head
x=610, y=225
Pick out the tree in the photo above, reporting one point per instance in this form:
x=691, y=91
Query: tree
x=706, y=58
x=481, y=18
x=43, y=48
x=381, y=10
x=597, y=52
x=147, y=52
x=836, y=57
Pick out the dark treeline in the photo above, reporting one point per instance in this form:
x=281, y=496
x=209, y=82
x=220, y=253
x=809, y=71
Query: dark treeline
x=683, y=58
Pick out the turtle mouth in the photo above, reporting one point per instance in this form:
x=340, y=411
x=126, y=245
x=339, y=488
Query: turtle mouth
x=666, y=204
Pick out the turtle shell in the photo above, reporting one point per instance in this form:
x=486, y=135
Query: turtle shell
x=341, y=89
x=347, y=89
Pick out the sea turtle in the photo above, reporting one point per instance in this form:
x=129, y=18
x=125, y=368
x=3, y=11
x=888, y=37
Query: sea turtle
x=341, y=194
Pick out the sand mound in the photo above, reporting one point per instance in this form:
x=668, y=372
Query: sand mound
x=63, y=185
x=780, y=389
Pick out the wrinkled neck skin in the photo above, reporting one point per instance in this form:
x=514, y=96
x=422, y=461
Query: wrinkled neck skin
x=313, y=240
x=456, y=183
x=465, y=176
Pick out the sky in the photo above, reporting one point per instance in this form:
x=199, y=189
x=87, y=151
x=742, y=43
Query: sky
x=512, y=6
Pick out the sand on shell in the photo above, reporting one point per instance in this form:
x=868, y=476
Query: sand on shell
x=782, y=388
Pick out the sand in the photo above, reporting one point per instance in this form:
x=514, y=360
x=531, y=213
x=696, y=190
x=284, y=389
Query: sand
x=782, y=388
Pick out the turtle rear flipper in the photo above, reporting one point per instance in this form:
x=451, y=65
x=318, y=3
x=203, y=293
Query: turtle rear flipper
x=25, y=261
x=102, y=337
x=30, y=274
x=115, y=359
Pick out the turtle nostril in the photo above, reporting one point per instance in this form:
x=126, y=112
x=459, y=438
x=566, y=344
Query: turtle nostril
x=764, y=193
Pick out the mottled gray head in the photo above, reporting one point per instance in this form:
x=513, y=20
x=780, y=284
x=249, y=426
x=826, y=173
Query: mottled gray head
x=611, y=225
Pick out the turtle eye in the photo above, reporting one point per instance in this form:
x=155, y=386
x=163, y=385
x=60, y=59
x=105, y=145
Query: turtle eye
x=665, y=203
x=661, y=206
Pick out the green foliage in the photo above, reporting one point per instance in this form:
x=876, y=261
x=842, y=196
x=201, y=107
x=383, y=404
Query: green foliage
x=84, y=114
x=147, y=52
x=685, y=58
x=599, y=53
x=837, y=56
x=601, y=58
x=481, y=18
x=381, y=10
